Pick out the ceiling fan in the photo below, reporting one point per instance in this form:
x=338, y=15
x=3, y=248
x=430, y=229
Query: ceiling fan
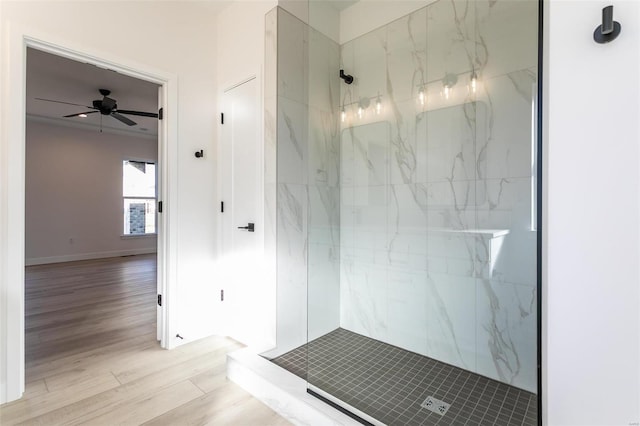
x=106, y=106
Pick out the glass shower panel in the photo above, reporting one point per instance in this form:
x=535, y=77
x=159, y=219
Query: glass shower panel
x=507, y=281
x=421, y=267
x=323, y=92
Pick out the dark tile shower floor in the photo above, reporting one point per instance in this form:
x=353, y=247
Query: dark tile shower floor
x=389, y=383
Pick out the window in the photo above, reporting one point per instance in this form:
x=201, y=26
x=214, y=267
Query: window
x=139, y=197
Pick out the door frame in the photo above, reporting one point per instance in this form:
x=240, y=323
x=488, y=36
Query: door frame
x=12, y=198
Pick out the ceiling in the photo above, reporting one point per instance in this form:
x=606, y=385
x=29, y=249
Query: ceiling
x=53, y=77
x=341, y=5
x=57, y=78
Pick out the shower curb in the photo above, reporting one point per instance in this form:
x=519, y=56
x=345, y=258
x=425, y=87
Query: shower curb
x=281, y=390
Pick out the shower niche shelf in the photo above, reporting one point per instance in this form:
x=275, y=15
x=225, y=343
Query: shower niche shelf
x=452, y=248
x=485, y=233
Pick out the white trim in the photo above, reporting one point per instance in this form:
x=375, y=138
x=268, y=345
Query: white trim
x=87, y=256
x=134, y=236
x=240, y=83
x=13, y=226
x=12, y=350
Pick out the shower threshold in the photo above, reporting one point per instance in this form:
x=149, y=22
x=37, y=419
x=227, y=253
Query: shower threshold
x=393, y=385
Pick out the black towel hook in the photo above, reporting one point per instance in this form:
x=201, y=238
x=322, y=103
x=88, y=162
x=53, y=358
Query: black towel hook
x=609, y=30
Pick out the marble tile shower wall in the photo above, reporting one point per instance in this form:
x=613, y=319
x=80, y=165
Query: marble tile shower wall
x=301, y=177
x=437, y=251
x=324, y=191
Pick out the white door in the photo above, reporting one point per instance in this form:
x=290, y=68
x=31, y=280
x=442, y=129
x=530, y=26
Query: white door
x=242, y=219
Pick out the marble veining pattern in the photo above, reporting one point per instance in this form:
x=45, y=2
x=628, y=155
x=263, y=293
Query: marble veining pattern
x=457, y=161
x=307, y=177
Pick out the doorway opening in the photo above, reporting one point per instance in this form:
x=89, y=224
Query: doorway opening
x=90, y=199
x=14, y=313
x=91, y=191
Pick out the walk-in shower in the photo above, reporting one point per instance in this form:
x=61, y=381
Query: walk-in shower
x=404, y=206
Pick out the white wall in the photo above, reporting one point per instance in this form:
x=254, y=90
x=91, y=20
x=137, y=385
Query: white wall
x=177, y=38
x=73, y=193
x=592, y=242
x=240, y=47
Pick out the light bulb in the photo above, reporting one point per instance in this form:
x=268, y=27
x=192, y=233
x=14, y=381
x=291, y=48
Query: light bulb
x=82, y=115
x=378, y=106
x=474, y=82
x=359, y=112
x=448, y=82
x=421, y=96
x=343, y=115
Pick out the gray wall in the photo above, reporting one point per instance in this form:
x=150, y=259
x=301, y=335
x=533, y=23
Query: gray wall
x=74, y=206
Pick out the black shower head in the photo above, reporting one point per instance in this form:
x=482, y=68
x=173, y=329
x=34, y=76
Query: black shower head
x=346, y=77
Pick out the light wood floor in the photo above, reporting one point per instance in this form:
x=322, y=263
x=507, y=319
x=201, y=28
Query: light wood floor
x=92, y=356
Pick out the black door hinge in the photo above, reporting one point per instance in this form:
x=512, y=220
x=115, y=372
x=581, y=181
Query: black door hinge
x=159, y=300
x=221, y=206
x=160, y=113
x=222, y=295
x=222, y=118
x=159, y=206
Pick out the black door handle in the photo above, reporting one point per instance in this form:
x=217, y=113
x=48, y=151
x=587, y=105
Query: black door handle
x=250, y=227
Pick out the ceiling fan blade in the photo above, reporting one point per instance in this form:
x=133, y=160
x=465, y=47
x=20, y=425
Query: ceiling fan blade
x=140, y=113
x=61, y=102
x=79, y=113
x=123, y=119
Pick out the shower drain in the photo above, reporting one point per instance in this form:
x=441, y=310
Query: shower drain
x=435, y=405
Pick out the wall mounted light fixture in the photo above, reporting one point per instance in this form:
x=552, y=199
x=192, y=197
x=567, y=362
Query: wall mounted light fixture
x=361, y=107
x=440, y=93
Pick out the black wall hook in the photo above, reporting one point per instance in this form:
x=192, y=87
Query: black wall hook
x=346, y=77
x=199, y=154
x=609, y=30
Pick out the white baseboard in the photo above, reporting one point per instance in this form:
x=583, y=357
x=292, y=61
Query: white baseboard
x=87, y=256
